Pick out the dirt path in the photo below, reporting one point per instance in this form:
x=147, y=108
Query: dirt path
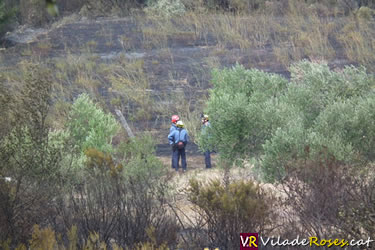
x=196, y=170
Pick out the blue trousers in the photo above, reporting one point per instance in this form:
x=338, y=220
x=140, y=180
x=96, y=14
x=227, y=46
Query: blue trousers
x=177, y=154
x=207, y=158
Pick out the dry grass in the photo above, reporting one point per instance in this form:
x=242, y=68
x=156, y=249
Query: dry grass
x=303, y=32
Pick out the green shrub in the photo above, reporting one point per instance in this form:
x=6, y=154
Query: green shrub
x=237, y=107
x=255, y=114
x=90, y=126
x=365, y=13
x=139, y=159
x=328, y=111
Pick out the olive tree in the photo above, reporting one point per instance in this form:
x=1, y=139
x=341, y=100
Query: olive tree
x=313, y=134
x=262, y=115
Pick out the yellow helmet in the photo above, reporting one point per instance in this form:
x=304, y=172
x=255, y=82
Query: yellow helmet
x=204, y=118
x=180, y=124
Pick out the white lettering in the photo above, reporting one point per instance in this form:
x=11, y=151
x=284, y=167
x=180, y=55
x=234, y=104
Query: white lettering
x=304, y=242
x=295, y=241
x=244, y=242
x=277, y=243
x=264, y=243
x=285, y=243
x=368, y=241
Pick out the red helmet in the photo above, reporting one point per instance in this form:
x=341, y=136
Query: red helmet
x=175, y=118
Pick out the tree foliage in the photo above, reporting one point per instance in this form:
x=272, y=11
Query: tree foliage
x=6, y=15
x=256, y=114
x=238, y=106
x=90, y=126
x=332, y=113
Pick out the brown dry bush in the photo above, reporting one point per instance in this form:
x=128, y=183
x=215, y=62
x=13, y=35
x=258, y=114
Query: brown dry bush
x=326, y=198
x=29, y=159
x=118, y=202
x=226, y=211
x=314, y=191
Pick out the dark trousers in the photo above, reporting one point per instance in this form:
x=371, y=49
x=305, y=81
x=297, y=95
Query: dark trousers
x=172, y=158
x=207, y=158
x=177, y=153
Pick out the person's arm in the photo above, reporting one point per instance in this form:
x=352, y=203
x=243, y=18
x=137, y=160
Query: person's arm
x=171, y=138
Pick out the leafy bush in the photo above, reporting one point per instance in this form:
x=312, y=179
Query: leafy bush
x=262, y=115
x=365, y=13
x=91, y=127
x=329, y=111
x=238, y=106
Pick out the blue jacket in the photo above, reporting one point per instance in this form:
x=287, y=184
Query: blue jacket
x=178, y=134
x=173, y=127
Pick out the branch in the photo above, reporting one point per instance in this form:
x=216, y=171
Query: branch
x=124, y=123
